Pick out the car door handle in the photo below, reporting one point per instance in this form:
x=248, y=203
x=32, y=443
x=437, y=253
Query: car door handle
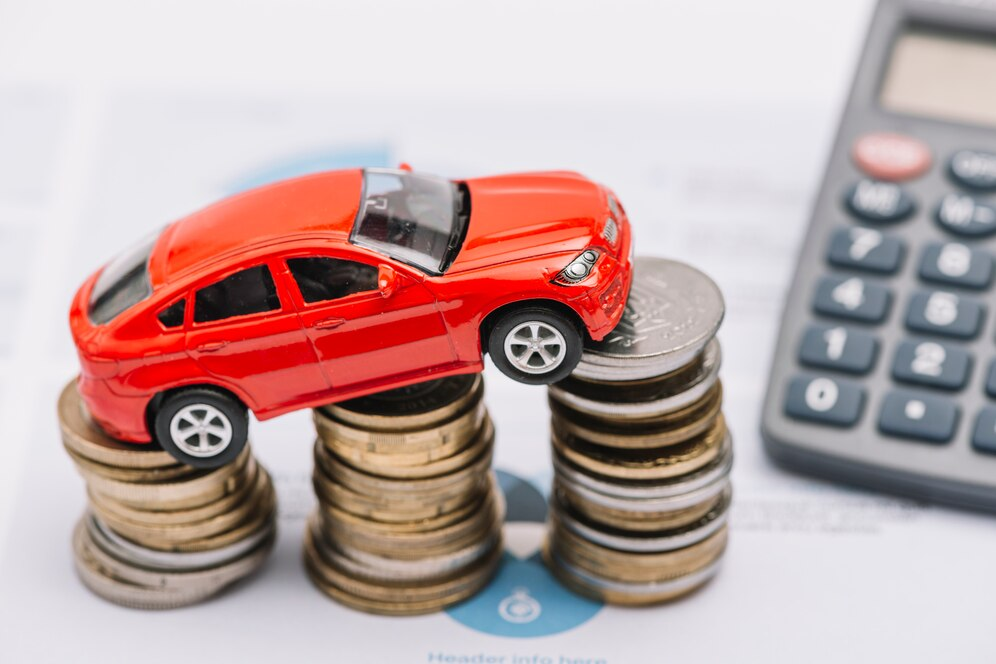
x=211, y=346
x=328, y=323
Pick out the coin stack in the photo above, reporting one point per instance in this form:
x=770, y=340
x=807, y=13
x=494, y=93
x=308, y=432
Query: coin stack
x=158, y=534
x=409, y=517
x=642, y=455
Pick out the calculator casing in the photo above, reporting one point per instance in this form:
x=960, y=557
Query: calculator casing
x=954, y=472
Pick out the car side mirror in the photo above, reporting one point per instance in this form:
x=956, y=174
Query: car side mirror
x=387, y=280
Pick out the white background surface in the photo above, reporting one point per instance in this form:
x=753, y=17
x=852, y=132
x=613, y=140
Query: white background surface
x=711, y=120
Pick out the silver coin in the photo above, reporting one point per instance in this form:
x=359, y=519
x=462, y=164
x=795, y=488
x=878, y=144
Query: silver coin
x=138, y=555
x=635, y=543
x=672, y=312
x=648, y=506
x=650, y=589
x=709, y=476
x=688, y=393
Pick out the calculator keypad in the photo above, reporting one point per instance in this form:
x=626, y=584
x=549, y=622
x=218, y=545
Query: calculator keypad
x=932, y=365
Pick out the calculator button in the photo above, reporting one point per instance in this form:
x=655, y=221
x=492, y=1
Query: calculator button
x=838, y=348
x=852, y=297
x=877, y=201
x=825, y=400
x=974, y=169
x=984, y=434
x=931, y=363
x=991, y=380
x=956, y=264
x=920, y=416
x=943, y=313
x=964, y=215
x=889, y=156
x=865, y=249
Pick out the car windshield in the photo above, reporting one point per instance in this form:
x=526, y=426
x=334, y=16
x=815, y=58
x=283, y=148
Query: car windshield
x=416, y=219
x=123, y=283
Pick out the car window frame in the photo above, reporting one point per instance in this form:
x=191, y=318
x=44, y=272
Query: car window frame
x=172, y=300
x=191, y=324
x=373, y=259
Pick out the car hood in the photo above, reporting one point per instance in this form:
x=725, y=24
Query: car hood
x=527, y=215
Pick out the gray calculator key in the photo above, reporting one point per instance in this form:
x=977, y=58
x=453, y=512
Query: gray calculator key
x=984, y=434
x=877, y=201
x=825, y=400
x=837, y=347
x=991, y=380
x=956, y=264
x=932, y=363
x=852, y=297
x=865, y=249
x=918, y=416
x=938, y=312
x=974, y=169
x=964, y=215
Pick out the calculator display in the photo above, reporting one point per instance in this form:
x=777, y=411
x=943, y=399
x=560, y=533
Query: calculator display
x=944, y=75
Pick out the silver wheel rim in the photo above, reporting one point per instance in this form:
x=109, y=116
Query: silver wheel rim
x=201, y=430
x=535, y=347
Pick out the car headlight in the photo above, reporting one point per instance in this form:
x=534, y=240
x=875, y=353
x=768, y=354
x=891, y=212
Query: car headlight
x=610, y=231
x=578, y=269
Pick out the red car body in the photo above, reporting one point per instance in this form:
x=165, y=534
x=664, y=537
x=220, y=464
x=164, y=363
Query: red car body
x=522, y=231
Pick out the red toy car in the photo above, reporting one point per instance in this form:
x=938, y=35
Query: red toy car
x=339, y=284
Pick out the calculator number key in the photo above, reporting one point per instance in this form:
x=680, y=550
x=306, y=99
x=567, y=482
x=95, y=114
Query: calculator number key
x=824, y=400
x=838, y=348
x=931, y=363
x=918, y=416
x=865, y=249
x=852, y=297
x=954, y=263
x=944, y=313
x=964, y=215
x=984, y=434
x=877, y=201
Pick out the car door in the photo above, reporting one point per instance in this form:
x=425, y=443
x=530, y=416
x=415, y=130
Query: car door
x=248, y=334
x=362, y=335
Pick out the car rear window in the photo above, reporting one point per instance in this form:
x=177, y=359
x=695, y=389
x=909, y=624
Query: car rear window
x=123, y=283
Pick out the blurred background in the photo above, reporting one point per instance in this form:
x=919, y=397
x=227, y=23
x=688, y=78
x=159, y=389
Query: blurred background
x=711, y=120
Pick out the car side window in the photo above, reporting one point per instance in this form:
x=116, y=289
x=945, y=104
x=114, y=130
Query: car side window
x=321, y=278
x=250, y=291
x=172, y=316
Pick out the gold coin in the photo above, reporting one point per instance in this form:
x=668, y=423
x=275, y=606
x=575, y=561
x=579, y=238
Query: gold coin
x=636, y=520
x=202, y=488
x=179, y=534
x=385, y=509
x=153, y=517
x=482, y=440
x=639, y=464
x=403, y=448
x=409, y=408
x=339, y=471
x=88, y=468
x=86, y=439
x=359, y=523
x=662, y=431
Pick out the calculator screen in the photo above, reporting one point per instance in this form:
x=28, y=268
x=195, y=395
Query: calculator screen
x=944, y=75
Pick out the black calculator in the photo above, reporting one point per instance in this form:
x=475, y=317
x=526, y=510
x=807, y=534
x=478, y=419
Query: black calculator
x=884, y=374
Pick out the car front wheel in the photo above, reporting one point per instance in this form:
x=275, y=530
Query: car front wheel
x=202, y=427
x=535, y=345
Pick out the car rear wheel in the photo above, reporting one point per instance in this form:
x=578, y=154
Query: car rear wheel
x=535, y=345
x=202, y=427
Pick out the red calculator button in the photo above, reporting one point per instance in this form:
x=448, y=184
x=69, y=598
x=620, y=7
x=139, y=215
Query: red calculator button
x=888, y=156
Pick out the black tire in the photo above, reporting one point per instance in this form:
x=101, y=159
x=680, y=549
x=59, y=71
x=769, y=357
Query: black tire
x=547, y=319
x=217, y=408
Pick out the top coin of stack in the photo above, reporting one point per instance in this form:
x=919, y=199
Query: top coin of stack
x=409, y=517
x=159, y=534
x=641, y=451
